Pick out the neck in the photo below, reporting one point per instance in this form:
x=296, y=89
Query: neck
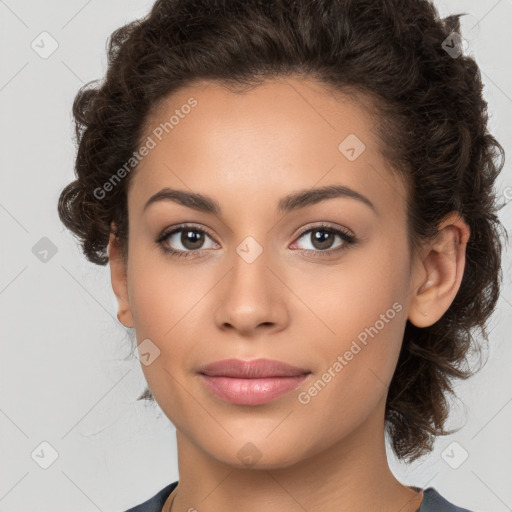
x=351, y=475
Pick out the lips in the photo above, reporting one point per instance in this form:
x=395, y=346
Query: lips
x=255, y=369
x=251, y=382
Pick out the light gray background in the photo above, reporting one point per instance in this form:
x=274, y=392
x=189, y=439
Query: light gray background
x=64, y=379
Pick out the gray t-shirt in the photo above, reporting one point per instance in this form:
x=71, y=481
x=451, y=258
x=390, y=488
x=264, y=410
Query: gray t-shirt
x=432, y=501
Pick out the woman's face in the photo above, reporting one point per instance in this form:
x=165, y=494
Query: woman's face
x=268, y=266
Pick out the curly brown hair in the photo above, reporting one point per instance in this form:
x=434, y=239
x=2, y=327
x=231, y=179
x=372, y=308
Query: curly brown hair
x=432, y=120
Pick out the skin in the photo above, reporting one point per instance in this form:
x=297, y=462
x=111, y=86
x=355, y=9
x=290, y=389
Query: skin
x=247, y=151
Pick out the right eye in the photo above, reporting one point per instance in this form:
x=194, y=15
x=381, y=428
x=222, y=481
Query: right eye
x=190, y=238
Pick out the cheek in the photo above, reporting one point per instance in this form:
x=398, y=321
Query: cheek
x=355, y=373
x=162, y=302
x=366, y=315
x=168, y=308
x=364, y=294
x=162, y=294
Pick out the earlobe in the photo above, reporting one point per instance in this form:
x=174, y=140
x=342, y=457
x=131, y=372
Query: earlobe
x=441, y=271
x=119, y=282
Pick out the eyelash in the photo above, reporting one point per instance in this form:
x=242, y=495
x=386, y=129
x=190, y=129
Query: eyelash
x=348, y=238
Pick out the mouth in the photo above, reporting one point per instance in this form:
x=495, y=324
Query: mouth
x=251, y=382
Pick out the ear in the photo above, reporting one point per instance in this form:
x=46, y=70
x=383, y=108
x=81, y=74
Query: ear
x=119, y=281
x=439, y=272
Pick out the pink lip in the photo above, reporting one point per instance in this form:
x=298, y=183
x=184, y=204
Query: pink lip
x=251, y=382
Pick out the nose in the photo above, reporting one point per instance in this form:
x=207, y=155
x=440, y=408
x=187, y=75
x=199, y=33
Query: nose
x=252, y=297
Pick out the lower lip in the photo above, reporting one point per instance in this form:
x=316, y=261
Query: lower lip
x=252, y=391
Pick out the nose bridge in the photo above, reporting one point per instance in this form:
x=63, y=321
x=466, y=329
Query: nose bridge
x=250, y=275
x=250, y=295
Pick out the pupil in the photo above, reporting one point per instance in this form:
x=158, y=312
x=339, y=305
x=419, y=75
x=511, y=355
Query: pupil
x=323, y=238
x=192, y=239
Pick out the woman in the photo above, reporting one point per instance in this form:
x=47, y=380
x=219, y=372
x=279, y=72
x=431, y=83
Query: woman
x=296, y=201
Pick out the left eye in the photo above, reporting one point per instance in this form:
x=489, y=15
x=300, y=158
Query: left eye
x=322, y=239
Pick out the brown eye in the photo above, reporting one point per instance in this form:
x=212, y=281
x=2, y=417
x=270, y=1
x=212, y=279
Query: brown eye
x=191, y=239
x=322, y=239
x=185, y=240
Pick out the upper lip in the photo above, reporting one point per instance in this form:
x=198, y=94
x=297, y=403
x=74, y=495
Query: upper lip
x=255, y=369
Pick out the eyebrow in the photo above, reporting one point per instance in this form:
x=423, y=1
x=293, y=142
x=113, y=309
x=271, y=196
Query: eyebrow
x=287, y=204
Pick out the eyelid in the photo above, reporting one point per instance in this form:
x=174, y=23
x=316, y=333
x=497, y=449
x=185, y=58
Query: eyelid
x=327, y=226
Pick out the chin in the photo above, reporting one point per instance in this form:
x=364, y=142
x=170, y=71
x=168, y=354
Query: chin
x=256, y=452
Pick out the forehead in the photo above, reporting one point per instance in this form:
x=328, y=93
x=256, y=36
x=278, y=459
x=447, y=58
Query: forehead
x=284, y=134
x=274, y=105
